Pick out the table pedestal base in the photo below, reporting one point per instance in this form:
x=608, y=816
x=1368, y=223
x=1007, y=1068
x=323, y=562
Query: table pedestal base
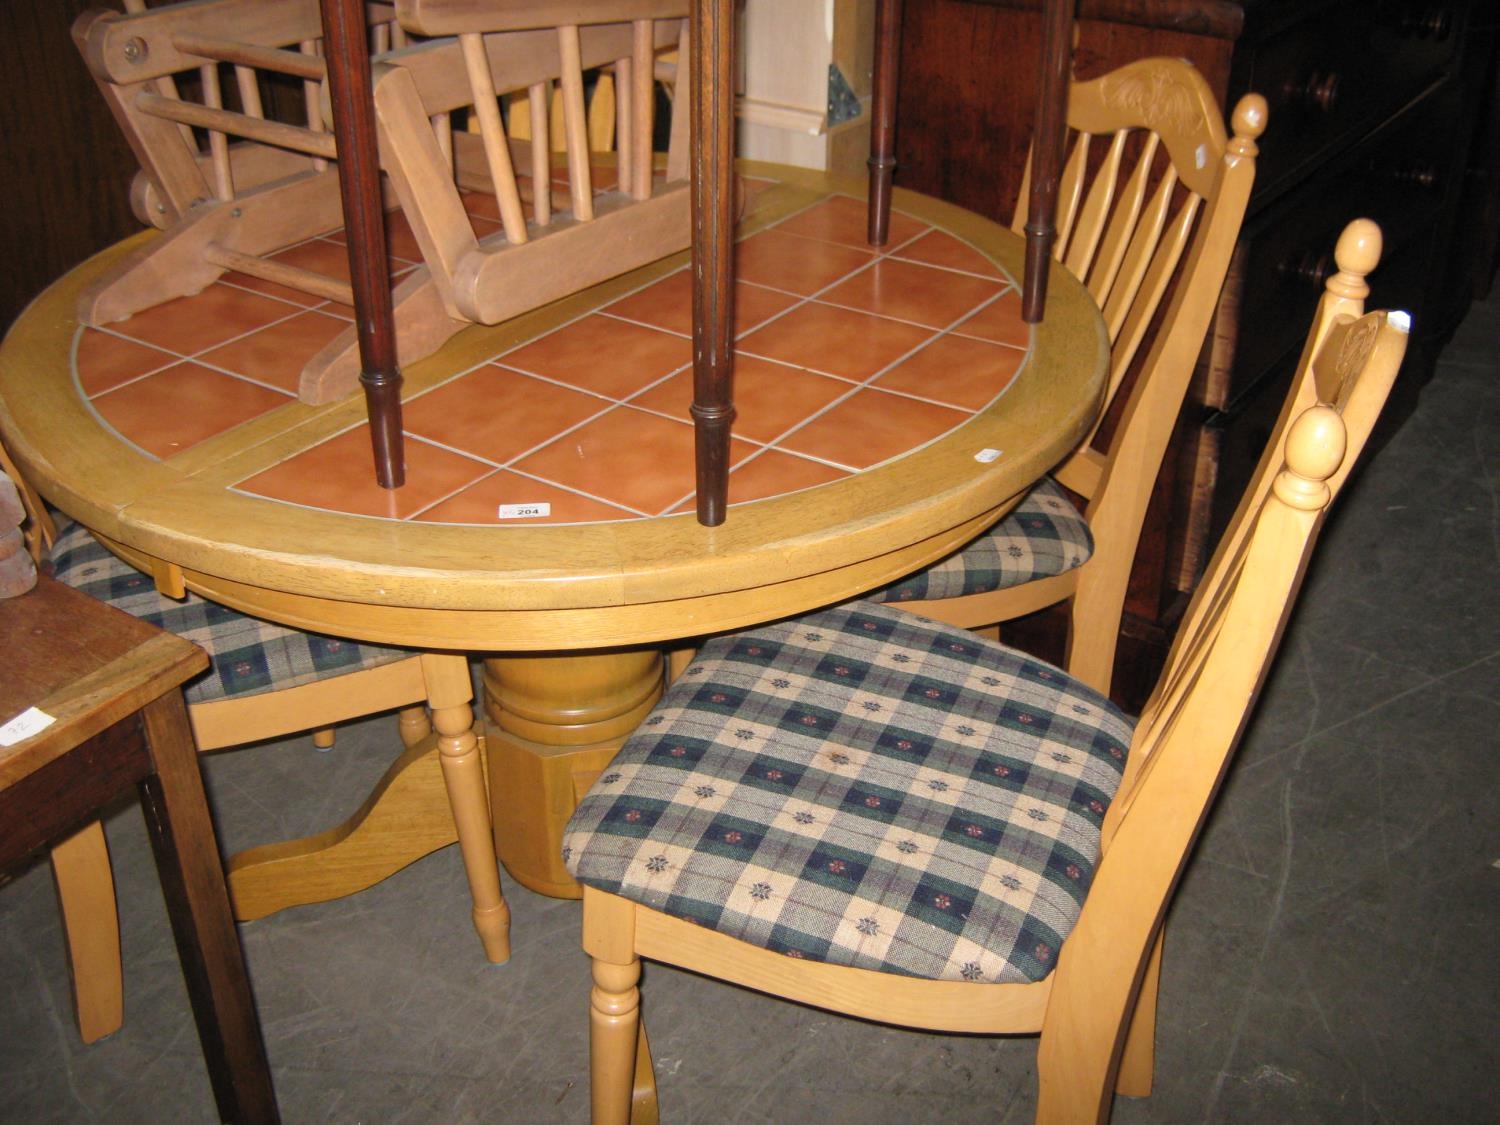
x=552, y=725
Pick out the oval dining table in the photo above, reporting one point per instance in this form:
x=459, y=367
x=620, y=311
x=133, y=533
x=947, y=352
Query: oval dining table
x=891, y=405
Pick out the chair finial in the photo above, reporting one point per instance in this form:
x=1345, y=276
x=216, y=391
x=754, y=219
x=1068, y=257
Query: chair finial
x=1315, y=448
x=1248, y=120
x=1357, y=253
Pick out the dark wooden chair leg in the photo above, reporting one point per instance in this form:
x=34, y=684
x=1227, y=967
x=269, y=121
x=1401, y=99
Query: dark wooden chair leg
x=883, y=119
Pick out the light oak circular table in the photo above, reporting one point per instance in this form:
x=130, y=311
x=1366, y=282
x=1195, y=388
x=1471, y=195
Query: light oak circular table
x=572, y=617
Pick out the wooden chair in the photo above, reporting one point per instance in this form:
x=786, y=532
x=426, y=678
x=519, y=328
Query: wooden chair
x=1153, y=216
x=508, y=49
x=264, y=184
x=899, y=820
x=267, y=681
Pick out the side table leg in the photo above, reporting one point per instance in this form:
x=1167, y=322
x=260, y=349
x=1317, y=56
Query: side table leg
x=552, y=724
x=187, y=858
x=450, y=693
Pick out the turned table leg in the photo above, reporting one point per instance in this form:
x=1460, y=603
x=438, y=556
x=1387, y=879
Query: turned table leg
x=552, y=723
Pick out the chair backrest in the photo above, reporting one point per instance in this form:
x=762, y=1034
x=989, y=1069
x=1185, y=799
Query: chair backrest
x=257, y=182
x=516, y=48
x=1149, y=224
x=1158, y=211
x=39, y=531
x=1192, y=723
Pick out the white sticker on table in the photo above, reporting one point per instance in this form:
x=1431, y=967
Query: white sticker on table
x=985, y=456
x=31, y=721
x=523, y=511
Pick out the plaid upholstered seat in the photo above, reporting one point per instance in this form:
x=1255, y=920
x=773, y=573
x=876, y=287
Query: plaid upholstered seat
x=247, y=655
x=1042, y=536
x=865, y=788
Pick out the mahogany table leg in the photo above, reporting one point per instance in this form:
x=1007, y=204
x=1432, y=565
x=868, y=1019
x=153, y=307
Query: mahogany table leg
x=1047, y=153
x=712, y=68
x=883, y=118
x=349, y=88
x=552, y=724
x=187, y=858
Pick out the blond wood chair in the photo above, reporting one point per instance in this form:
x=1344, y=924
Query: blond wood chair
x=896, y=819
x=508, y=49
x=1150, y=205
x=266, y=681
x=258, y=185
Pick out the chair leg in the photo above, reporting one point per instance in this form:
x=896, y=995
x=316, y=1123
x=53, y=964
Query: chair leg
x=1138, y=1062
x=644, y=1109
x=451, y=694
x=414, y=724
x=323, y=738
x=86, y=891
x=615, y=1033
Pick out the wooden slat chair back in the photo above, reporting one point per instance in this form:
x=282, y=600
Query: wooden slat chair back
x=841, y=794
x=228, y=181
x=525, y=48
x=1149, y=225
x=375, y=843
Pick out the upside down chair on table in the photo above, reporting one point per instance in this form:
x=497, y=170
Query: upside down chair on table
x=492, y=245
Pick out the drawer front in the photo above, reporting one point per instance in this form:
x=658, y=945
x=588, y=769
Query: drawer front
x=1334, y=76
x=1402, y=176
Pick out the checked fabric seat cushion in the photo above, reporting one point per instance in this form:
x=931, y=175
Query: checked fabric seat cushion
x=863, y=787
x=1042, y=536
x=246, y=654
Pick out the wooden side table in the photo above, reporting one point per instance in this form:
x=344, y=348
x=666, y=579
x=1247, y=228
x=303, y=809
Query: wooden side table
x=111, y=684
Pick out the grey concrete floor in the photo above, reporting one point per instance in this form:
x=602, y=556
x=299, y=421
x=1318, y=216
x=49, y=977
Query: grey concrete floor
x=1333, y=955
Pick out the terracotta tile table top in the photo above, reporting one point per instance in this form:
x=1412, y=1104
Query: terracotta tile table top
x=846, y=358
x=852, y=364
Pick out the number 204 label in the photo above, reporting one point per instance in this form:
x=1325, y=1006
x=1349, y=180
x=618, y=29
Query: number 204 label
x=523, y=511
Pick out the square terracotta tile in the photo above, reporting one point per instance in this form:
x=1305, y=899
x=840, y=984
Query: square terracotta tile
x=872, y=426
x=846, y=220
x=769, y=398
x=627, y=457
x=277, y=353
x=938, y=248
x=189, y=325
x=835, y=341
x=668, y=304
x=956, y=370
x=912, y=291
x=774, y=473
x=401, y=241
x=339, y=476
x=604, y=355
x=271, y=289
x=327, y=256
x=1000, y=322
x=104, y=361
x=795, y=264
x=181, y=405
x=481, y=501
x=496, y=413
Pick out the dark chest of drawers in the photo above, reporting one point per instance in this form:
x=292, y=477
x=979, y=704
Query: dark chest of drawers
x=1379, y=108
